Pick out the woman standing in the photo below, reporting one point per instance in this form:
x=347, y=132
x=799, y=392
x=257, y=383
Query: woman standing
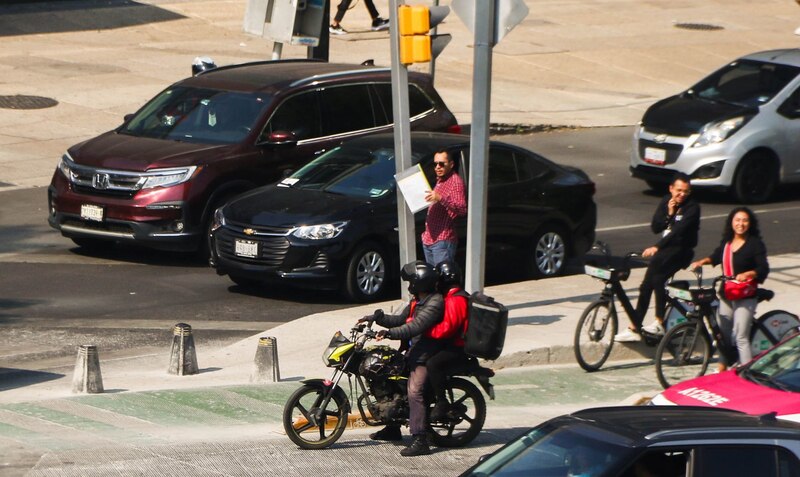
x=743, y=256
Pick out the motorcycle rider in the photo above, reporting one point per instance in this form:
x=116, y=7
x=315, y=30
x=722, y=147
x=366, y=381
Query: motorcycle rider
x=451, y=332
x=411, y=325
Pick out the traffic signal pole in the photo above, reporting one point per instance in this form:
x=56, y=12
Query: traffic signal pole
x=479, y=144
x=402, y=141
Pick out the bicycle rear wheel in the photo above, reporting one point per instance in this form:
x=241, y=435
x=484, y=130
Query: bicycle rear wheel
x=683, y=353
x=594, y=335
x=770, y=328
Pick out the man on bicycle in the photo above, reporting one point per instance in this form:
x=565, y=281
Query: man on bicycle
x=677, y=219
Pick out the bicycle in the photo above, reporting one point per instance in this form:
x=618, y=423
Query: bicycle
x=686, y=349
x=594, y=335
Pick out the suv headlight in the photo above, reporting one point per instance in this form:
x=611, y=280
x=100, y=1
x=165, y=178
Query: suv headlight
x=167, y=177
x=65, y=165
x=716, y=132
x=319, y=232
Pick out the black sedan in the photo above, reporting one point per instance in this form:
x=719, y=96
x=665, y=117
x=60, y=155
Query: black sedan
x=333, y=223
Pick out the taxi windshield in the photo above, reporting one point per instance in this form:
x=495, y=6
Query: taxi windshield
x=779, y=368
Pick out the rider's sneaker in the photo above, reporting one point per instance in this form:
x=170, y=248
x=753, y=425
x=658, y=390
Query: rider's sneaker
x=628, y=336
x=388, y=433
x=439, y=411
x=419, y=446
x=654, y=328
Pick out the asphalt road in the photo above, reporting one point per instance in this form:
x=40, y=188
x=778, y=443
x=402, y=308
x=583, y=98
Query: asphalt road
x=126, y=300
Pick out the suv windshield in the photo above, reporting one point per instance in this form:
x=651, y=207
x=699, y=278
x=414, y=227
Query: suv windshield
x=198, y=115
x=780, y=368
x=350, y=171
x=745, y=82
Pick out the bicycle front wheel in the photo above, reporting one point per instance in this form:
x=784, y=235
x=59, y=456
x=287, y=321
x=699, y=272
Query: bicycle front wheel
x=683, y=353
x=594, y=336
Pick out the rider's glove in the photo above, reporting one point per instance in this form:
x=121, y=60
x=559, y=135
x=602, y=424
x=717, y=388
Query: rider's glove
x=373, y=317
x=382, y=334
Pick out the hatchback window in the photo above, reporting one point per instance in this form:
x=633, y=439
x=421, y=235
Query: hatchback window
x=346, y=109
x=418, y=101
x=746, y=83
x=354, y=172
x=198, y=115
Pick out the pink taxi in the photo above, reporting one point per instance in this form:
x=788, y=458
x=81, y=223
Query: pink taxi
x=769, y=383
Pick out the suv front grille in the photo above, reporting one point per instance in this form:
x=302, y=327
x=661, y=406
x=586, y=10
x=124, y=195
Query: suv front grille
x=105, y=182
x=271, y=248
x=126, y=194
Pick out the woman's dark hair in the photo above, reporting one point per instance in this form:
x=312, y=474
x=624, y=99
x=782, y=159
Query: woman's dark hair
x=753, y=231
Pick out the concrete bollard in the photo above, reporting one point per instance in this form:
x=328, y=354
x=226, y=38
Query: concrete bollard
x=87, y=378
x=183, y=359
x=266, y=368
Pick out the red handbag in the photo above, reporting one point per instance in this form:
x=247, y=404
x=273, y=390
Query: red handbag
x=734, y=289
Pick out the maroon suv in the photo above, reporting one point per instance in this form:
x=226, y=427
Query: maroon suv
x=157, y=179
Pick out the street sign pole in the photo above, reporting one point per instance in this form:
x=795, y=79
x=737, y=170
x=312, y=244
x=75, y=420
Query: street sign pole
x=479, y=144
x=402, y=141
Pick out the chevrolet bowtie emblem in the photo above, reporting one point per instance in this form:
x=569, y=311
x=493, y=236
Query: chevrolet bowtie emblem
x=249, y=231
x=661, y=138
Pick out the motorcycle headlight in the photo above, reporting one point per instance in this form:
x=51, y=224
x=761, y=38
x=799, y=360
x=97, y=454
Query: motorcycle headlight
x=218, y=220
x=65, y=165
x=319, y=232
x=716, y=132
x=167, y=177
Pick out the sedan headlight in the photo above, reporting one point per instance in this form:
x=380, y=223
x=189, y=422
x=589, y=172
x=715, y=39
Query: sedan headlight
x=218, y=220
x=319, y=232
x=166, y=177
x=716, y=132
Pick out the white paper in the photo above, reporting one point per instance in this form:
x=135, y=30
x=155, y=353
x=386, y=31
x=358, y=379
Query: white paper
x=414, y=186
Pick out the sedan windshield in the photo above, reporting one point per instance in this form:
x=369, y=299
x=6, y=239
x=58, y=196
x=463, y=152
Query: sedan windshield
x=570, y=450
x=745, y=83
x=780, y=368
x=198, y=115
x=355, y=172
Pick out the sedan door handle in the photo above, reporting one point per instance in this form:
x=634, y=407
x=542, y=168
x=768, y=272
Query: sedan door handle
x=317, y=153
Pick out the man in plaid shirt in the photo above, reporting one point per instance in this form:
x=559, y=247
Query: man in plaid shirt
x=448, y=201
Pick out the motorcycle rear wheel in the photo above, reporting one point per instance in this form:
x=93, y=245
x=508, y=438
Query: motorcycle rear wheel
x=301, y=415
x=467, y=415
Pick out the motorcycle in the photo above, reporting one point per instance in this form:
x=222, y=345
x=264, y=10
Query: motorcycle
x=316, y=415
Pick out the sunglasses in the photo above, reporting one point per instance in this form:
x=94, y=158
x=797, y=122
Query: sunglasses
x=439, y=164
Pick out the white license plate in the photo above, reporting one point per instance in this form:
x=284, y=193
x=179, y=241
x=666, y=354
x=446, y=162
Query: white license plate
x=246, y=248
x=654, y=155
x=92, y=212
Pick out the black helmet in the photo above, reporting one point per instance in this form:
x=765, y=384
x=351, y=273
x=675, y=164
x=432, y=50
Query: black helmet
x=449, y=274
x=421, y=277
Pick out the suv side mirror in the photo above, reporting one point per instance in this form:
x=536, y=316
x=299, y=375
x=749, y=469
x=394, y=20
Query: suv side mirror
x=282, y=138
x=127, y=117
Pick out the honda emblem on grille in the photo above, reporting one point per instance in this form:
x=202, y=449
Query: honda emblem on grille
x=660, y=139
x=249, y=231
x=100, y=181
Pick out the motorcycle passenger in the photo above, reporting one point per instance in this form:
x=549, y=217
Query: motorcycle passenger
x=451, y=332
x=425, y=310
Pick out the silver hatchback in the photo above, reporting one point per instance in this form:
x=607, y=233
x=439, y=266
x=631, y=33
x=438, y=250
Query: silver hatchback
x=737, y=130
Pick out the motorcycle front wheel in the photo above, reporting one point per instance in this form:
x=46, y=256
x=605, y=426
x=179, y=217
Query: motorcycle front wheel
x=465, y=418
x=310, y=426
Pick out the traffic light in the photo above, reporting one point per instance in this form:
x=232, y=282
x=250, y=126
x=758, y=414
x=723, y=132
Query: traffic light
x=414, y=24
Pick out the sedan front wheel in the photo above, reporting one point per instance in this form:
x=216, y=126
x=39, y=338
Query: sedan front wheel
x=366, y=273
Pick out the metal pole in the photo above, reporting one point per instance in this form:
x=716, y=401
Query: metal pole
x=485, y=12
x=402, y=141
x=432, y=70
x=277, y=48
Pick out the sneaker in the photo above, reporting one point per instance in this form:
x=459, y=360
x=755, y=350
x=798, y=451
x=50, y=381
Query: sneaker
x=654, y=328
x=439, y=411
x=628, y=336
x=337, y=30
x=388, y=433
x=419, y=446
x=380, y=24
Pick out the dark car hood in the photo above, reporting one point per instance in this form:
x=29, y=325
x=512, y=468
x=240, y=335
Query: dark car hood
x=275, y=206
x=682, y=115
x=120, y=151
